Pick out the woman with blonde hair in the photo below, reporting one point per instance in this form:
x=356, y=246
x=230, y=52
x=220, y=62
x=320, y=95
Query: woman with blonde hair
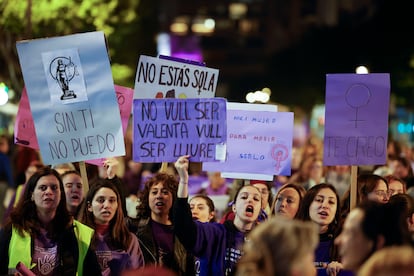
x=280, y=246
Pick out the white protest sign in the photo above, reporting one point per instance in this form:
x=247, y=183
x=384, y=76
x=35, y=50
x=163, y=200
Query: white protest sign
x=259, y=143
x=163, y=78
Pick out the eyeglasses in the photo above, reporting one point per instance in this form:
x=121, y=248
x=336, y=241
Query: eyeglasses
x=392, y=192
x=381, y=193
x=264, y=191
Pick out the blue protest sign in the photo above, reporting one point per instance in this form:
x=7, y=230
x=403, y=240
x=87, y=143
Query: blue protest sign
x=72, y=97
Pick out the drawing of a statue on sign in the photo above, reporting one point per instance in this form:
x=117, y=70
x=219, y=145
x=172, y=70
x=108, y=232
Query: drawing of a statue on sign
x=65, y=72
x=64, y=76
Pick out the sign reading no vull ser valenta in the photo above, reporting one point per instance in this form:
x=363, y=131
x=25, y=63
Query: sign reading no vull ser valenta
x=72, y=97
x=356, y=119
x=165, y=129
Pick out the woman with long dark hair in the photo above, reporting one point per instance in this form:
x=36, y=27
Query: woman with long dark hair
x=42, y=236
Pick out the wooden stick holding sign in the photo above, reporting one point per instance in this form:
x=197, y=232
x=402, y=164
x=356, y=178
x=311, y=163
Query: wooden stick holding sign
x=84, y=176
x=353, y=192
x=164, y=166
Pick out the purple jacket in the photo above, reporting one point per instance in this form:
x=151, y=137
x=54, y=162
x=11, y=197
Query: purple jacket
x=218, y=246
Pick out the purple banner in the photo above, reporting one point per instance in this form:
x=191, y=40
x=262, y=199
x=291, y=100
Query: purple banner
x=165, y=129
x=356, y=119
x=258, y=142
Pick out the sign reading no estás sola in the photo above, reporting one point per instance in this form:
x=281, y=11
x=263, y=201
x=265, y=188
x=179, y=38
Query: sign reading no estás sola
x=163, y=78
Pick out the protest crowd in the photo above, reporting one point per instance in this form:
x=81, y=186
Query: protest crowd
x=149, y=219
x=189, y=184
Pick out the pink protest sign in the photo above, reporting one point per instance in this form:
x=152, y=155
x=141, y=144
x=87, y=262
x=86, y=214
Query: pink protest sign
x=25, y=133
x=24, y=129
x=356, y=119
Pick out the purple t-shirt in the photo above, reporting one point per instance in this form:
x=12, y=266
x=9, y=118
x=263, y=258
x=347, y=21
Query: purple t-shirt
x=45, y=255
x=113, y=260
x=164, y=240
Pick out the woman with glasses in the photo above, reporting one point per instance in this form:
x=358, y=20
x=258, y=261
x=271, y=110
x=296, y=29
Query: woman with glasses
x=372, y=187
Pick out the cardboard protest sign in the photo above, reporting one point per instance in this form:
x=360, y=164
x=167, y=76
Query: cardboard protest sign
x=356, y=119
x=25, y=133
x=72, y=99
x=164, y=129
x=167, y=78
x=258, y=142
x=24, y=128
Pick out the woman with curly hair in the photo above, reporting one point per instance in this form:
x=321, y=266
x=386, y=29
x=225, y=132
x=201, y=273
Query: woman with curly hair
x=154, y=228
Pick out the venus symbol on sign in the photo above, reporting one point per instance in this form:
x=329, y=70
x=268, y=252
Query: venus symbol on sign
x=279, y=154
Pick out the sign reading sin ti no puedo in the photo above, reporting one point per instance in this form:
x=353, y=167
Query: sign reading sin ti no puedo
x=72, y=98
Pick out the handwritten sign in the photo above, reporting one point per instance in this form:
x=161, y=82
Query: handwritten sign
x=164, y=78
x=165, y=129
x=24, y=127
x=356, y=119
x=78, y=125
x=258, y=142
x=25, y=133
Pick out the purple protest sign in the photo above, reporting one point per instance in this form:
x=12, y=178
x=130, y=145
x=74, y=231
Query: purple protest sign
x=356, y=119
x=258, y=142
x=165, y=129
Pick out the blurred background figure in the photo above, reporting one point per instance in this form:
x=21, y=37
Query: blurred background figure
x=72, y=183
x=395, y=185
x=404, y=205
x=218, y=189
x=340, y=177
x=132, y=178
x=402, y=169
x=7, y=185
x=394, y=260
x=372, y=187
x=216, y=185
x=368, y=228
x=33, y=167
x=280, y=246
x=64, y=167
x=311, y=172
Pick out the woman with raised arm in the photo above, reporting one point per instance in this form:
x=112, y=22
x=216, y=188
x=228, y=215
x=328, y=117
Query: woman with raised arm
x=219, y=246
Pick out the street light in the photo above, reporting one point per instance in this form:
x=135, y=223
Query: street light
x=362, y=70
